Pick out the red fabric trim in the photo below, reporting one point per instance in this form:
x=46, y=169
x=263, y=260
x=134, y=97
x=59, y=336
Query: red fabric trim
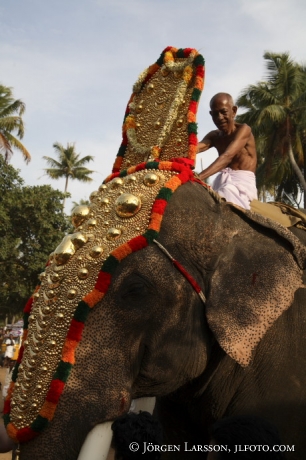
x=185, y=175
x=182, y=161
x=137, y=243
x=20, y=354
x=140, y=166
x=159, y=206
x=6, y=406
x=181, y=165
x=103, y=281
x=193, y=107
x=200, y=71
x=55, y=391
x=75, y=330
x=124, y=139
x=193, y=139
x=28, y=306
x=189, y=278
x=187, y=51
x=24, y=434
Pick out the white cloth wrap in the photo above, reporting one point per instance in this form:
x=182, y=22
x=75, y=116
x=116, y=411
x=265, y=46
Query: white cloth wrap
x=236, y=186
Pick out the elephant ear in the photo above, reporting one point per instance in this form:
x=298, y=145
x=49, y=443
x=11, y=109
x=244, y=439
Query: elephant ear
x=253, y=283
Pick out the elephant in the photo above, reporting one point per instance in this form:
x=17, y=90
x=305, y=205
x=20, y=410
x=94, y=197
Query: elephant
x=240, y=352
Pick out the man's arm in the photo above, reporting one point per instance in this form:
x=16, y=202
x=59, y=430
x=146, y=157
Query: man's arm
x=206, y=143
x=238, y=143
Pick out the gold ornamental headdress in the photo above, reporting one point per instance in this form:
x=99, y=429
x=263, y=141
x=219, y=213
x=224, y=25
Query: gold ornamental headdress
x=156, y=157
x=160, y=119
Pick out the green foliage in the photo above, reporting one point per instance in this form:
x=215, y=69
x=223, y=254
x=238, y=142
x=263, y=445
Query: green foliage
x=31, y=226
x=11, y=112
x=276, y=112
x=68, y=165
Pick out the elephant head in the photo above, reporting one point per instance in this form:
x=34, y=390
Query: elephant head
x=151, y=333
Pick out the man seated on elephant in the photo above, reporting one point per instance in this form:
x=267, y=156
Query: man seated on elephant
x=237, y=153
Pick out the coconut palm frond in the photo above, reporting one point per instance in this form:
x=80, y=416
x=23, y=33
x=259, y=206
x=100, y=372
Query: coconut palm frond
x=11, y=112
x=272, y=113
x=12, y=123
x=14, y=142
x=52, y=162
x=275, y=109
x=68, y=165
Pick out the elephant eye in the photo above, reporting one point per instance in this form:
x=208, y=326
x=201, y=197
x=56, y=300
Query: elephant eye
x=134, y=290
x=135, y=287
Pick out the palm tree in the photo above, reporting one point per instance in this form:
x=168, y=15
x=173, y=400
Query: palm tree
x=276, y=112
x=11, y=112
x=69, y=164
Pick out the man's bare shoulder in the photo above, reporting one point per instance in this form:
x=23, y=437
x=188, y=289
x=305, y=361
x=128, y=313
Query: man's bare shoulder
x=243, y=127
x=212, y=135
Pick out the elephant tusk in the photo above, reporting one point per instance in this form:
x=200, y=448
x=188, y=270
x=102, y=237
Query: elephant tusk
x=98, y=441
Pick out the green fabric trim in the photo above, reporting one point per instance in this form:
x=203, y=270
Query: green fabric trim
x=150, y=235
x=160, y=60
x=81, y=312
x=196, y=94
x=26, y=320
x=15, y=372
x=121, y=150
x=180, y=53
x=39, y=423
x=192, y=128
x=152, y=165
x=199, y=60
x=110, y=264
x=123, y=173
x=62, y=372
x=165, y=194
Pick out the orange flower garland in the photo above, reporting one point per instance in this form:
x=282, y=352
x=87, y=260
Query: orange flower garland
x=182, y=173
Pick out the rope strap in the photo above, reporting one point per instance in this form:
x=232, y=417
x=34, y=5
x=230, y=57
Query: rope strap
x=184, y=272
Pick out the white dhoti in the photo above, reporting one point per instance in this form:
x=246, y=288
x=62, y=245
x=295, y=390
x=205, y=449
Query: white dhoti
x=236, y=186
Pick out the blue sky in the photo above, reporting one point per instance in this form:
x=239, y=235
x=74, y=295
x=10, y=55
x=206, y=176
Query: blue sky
x=74, y=62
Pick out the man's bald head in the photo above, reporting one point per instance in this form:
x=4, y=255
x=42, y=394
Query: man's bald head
x=222, y=97
x=223, y=112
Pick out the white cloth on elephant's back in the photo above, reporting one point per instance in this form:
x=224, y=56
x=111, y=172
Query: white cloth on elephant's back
x=236, y=186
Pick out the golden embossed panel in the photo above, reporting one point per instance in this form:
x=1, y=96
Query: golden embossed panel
x=72, y=274
x=152, y=109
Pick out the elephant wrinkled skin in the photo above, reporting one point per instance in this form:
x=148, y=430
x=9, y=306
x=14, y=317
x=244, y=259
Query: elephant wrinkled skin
x=151, y=335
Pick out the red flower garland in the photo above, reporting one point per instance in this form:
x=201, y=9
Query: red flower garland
x=77, y=325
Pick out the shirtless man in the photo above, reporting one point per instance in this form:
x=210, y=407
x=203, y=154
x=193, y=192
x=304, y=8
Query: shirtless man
x=237, y=154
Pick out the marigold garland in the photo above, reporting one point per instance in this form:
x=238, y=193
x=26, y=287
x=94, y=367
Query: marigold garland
x=183, y=174
x=181, y=168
